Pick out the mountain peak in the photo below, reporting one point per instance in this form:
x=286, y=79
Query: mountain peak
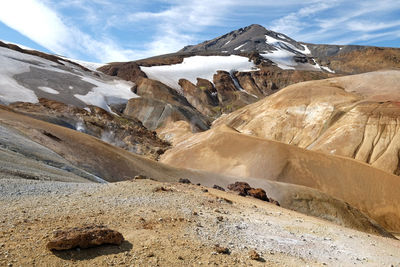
x=253, y=38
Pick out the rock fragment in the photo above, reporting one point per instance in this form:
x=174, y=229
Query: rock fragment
x=185, y=181
x=84, y=237
x=254, y=255
x=221, y=250
x=218, y=187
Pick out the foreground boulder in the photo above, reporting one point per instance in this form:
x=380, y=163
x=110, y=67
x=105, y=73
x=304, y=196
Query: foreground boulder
x=85, y=237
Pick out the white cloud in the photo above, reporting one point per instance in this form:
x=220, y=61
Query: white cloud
x=44, y=26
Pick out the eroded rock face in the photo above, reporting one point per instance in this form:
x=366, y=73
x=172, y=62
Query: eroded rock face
x=202, y=96
x=155, y=114
x=127, y=133
x=85, y=237
x=160, y=104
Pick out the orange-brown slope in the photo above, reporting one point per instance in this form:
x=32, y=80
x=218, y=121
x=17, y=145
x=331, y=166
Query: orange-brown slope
x=354, y=116
x=227, y=152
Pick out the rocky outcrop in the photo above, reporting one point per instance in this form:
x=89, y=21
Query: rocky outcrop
x=129, y=71
x=160, y=104
x=270, y=79
x=154, y=114
x=240, y=187
x=202, y=96
x=244, y=189
x=85, y=237
x=127, y=133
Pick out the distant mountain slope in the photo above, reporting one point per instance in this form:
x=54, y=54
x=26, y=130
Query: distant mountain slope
x=355, y=116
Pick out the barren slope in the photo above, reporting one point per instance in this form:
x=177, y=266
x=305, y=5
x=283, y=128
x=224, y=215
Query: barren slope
x=225, y=151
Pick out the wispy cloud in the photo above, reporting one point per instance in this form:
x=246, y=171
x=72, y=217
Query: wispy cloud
x=108, y=30
x=44, y=26
x=341, y=21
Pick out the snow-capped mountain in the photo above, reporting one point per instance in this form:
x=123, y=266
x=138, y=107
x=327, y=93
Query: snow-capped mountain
x=285, y=52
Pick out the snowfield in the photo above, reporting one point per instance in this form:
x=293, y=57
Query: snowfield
x=284, y=53
x=197, y=67
x=26, y=78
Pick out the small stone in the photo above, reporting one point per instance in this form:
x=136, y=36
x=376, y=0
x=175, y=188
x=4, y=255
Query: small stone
x=195, y=213
x=221, y=250
x=220, y=218
x=184, y=181
x=180, y=258
x=151, y=254
x=254, y=255
x=218, y=187
x=204, y=190
x=139, y=177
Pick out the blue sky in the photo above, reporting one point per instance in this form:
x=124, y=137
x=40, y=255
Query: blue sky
x=110, y=30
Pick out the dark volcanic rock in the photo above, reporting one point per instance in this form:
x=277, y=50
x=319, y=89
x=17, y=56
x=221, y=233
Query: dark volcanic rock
x=85, y=237
x=244, y=189
x=185, y=181
x=258, y=193
x=240, y=187
x=218, y=187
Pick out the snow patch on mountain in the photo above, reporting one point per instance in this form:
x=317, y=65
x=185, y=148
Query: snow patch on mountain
x=48, y=90
x=100, y=92
x=107, y=93
x=197, y=67
x=284, y=54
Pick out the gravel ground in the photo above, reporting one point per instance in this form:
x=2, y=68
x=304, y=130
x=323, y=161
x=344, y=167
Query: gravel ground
x=178, y=227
